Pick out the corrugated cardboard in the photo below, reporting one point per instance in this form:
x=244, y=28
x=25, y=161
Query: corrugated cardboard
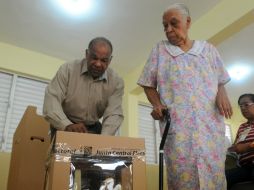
x=29, y=151
x=59, y=170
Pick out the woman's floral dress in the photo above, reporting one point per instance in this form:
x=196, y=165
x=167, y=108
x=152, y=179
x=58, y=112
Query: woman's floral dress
x=187, y=83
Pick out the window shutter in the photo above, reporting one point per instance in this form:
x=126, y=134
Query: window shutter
x=27, y=92
x=228, y=133
x=148, y=129
x=5, y=90
x=228, y=136
x=158, y=139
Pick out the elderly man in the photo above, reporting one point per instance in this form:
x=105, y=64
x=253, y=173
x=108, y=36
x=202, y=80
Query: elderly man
x=187, y=77
x=83, y=91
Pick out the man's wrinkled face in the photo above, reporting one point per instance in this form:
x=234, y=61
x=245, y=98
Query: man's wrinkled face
x=98, y=59
x=176, y=26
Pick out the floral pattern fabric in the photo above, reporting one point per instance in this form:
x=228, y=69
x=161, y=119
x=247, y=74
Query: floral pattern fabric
x=187, y=83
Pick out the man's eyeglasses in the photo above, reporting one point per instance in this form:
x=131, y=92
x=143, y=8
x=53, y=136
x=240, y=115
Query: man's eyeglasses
x=246, y=105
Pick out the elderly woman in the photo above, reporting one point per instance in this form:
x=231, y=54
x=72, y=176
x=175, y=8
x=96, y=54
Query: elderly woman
x=187, y=77
x=244, y=144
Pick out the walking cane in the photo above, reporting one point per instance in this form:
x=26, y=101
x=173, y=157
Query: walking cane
x=164, y=136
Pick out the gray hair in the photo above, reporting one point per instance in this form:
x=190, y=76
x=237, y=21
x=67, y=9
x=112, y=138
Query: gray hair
x=181, y=7
x=99, y=40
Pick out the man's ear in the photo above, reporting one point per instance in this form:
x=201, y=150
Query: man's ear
x=87, y=53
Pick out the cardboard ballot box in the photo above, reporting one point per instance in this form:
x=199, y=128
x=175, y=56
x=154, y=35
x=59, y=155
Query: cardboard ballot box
x=29, y=150
x=96, y=162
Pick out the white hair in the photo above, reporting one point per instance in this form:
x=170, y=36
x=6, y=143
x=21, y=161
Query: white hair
x=182, y=8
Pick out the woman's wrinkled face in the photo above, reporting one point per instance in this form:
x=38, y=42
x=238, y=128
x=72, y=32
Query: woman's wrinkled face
x=247, y=107
x=98, y=59
x=176, y=27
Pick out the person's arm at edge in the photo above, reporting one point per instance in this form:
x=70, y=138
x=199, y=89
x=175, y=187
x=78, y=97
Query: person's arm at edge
x=242, y=147
x=54, y=96
x=113, y=115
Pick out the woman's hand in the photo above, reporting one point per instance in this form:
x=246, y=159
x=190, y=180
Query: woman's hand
x=158, y=112
x=223, y=102
x=154, y=98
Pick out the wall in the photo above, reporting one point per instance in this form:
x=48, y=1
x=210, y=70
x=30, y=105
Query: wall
x=4, y=168
x=23, y=61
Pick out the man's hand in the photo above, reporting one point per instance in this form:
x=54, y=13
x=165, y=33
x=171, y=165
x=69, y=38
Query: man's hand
x=223, y=103
x=78, y=128
x=240, y=148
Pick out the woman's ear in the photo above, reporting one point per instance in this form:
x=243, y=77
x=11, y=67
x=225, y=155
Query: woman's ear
x=188, y=22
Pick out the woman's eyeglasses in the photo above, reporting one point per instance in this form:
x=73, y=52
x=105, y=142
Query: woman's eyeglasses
x=246, y=105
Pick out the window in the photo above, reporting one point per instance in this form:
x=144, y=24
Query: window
x=149, y=130
x=228, y=135
x=16, y=93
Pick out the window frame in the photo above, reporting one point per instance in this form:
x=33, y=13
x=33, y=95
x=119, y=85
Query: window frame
x=155, y=135
x=10, y=113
